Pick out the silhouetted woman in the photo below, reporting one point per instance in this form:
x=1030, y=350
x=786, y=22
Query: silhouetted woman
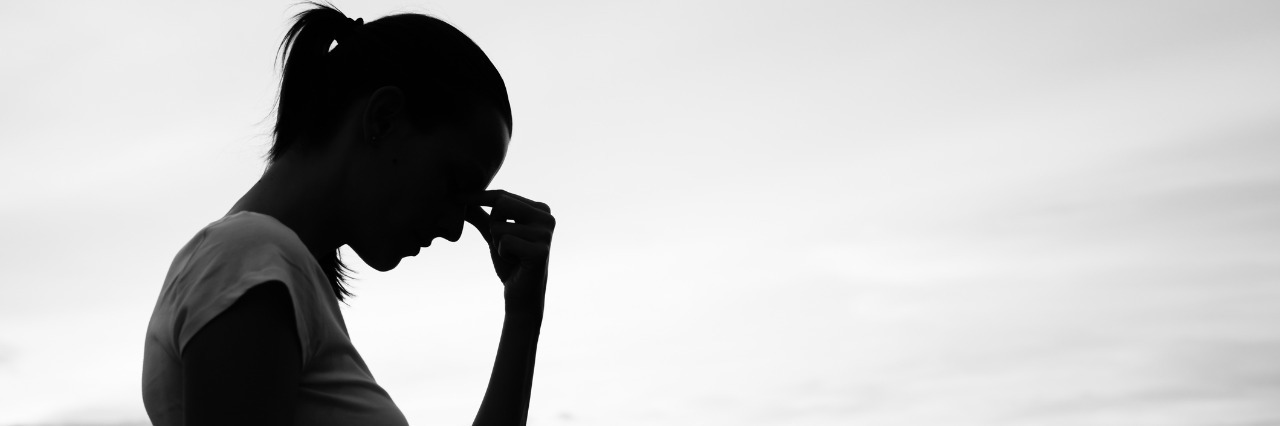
x=383, y=143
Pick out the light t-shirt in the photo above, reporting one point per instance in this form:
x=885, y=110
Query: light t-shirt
x=219, y=264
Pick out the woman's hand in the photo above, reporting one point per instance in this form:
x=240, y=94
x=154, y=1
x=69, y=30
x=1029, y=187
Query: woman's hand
x=519, y=235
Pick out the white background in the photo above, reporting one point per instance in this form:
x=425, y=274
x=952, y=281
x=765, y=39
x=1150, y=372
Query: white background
x=770, y=213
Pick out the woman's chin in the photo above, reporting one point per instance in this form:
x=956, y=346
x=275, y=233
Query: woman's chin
x=386, y=265
x=381, y=262
x=385, y=259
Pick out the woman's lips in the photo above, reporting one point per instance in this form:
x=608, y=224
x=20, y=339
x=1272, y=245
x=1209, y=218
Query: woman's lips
x=417, y=247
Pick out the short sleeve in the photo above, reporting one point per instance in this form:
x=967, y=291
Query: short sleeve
x=225, y=274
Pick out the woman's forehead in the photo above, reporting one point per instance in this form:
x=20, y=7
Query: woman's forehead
x=485, y=140
x=477, y=151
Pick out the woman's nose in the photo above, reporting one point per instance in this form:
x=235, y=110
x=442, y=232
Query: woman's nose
x=453, y=228
x=454, y=234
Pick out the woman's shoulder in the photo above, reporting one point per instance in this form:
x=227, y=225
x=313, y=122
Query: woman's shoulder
x=242, y=243
x=246, y=232
x=249, y=227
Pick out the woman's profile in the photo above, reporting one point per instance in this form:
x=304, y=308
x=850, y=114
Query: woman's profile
x=387, y=135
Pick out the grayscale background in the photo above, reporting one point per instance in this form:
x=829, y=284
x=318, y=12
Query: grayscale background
x=770, y=213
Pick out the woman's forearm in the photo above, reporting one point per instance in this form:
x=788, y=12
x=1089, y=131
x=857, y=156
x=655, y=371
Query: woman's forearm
x=506, y=401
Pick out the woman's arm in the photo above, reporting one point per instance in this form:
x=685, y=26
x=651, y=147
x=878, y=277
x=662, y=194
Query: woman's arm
x=519, y=234
x=242, y=368
x=506, y=401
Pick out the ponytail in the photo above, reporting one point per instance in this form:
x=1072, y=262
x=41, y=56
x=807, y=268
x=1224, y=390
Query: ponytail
x=302, y=85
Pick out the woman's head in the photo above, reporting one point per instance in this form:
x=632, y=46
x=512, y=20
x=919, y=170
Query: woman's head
x=417, y=113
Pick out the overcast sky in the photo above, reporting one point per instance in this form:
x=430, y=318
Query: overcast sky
x=769, y=213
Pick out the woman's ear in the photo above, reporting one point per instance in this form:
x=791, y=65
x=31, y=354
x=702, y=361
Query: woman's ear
x=385, y=104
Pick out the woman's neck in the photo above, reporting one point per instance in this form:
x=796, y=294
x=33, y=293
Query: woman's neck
x=302, y=195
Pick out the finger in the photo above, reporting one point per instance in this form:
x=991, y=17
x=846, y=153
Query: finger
x=491, y=197
x=520, y=212
x=480, y=220
x=537, y=205
x=484, y=198
x=515, y=248
x=507, y=206
x=527, y=232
